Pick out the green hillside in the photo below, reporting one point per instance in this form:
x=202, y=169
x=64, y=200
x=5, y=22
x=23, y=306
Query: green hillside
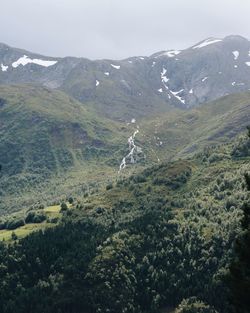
x=148, y=243
x=179, y=133
x=46, y=135
x=55, y=147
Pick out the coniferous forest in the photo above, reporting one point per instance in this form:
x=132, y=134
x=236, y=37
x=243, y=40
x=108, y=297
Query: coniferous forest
x=173, y=238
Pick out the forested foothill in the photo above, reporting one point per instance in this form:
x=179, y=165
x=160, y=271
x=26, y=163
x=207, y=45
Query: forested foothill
x=172, y=238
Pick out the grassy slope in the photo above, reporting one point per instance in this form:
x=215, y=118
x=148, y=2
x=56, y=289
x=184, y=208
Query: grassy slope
x=195, y=186
x=47, y=135
x=51, y=212
x=184, y=133
x=168, y=182
x=57, y=147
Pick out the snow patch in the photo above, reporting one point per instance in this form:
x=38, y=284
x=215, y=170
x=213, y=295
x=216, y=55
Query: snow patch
x=171, y=53
x=97, y=83
x=191, y=91
x=117, y=67
x=133, y=120
x=164, y=78
x=237, y=84
x=207, y=42
x=4, y=68
x=141, y=58
x=204, y=79
x=176, y=95
x=153, y=64
x=235, y=66
x=236, y=54
x=247, y=63
x=106, y=73
x=26, y=60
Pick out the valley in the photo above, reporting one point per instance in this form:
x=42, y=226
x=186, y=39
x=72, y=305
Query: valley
x=65, y=149
x=124, y=184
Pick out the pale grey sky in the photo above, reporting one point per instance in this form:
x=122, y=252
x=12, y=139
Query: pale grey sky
x=118, y=29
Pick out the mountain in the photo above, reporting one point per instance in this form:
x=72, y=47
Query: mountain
x=54, y=145
x=46, y=135
x=122, y=182
x=68, y=125
x=139, y=86
x=183, y=133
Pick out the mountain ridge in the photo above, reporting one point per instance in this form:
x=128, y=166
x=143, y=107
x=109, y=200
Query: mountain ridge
x=227, y=37
x=139, y=86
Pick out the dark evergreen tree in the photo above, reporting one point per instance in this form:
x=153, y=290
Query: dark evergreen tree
x=71, y=200
x=64, y=206
x=240, y=268
x=248, y=128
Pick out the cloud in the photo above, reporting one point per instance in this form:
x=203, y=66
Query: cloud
x=118, y=29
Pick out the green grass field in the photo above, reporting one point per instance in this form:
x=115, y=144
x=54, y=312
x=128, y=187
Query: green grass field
x=52, y=212
x=23, y=231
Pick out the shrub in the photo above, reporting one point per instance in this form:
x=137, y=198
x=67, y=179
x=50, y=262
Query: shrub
x=53, y=220
x=64, y=207
x=34, y=217
x=109, y=186
x=193, y=305
x=15, y=223
x=215, y=157
x=2, y=224
x=71, y=200
x=140, y=179
x=100, y=210
x=13, y=236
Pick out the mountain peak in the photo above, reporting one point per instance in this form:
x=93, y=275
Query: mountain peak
x=235, y=37
x=3, y=46
x=206, y=42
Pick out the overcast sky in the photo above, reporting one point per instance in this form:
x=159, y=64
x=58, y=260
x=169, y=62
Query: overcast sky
x=118, y=28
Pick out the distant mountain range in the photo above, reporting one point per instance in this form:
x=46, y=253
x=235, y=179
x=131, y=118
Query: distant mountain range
x=138, y=86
